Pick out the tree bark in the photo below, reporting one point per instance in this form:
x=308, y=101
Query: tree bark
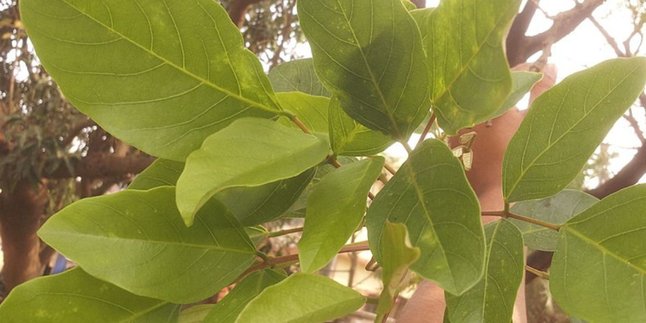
x=21, y=211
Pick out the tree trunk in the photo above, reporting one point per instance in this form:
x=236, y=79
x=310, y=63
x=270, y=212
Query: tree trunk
x=21, y=212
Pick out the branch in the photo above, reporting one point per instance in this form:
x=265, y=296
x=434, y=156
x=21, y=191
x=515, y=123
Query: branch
x=104, y=166
x=517, y=32
x=629, y=175
x=564, y=23
x=611, y=41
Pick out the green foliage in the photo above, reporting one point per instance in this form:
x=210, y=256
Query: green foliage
x=174, y=80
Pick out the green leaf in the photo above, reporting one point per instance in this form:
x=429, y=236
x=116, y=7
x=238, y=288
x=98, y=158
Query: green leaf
x=137, y=241
x=350, y=138
x=297, y=75
x=492, y=298
x=431, y=195
x=227, y=310
x=311, y=110
x=521, y=83
x=195, y=313
x=599, y=268
x=303, y=298
x=556, y=209
x=260, y=204
x=161, y=172
x=75, y=296
x=566, y=124
x=271, y=152
x=369, y=54
x=121, y=62
x=467, y=66
x=398, y=255
x=335, y=209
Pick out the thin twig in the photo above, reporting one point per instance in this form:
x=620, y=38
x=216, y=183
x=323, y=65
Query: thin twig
x=611, y=41
x=428, y=127
x=390, y=169
x=504, y=214
x=538, y=273
x=284, y=232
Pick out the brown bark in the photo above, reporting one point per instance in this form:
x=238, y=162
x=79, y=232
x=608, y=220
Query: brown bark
x=237, y=9
x=104, y=166
x=21, y=211
x=629, y=175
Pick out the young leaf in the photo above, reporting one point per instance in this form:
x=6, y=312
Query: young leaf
x=260, y=204
x=195, y=313
x=161, y=172
x=350, y=138
x=599, y=268
x=297, y=75
x=137, y=241
x=556, y=209
x=369, y=54
x=492, y=299
x=312, y=110
x=521, y=83
x=227, y=310
x=302, y=298
x=566, y=124
x=398, y=255
x=335, y=209
x=271, y=152
x=121, y=62
x=467, y=66
x=431, y=195
x=75, y=296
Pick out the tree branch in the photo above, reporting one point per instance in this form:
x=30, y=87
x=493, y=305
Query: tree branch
x=564, y=23
x=237, y=9
x=517, y=32
x=104, y=166
x=629, y=175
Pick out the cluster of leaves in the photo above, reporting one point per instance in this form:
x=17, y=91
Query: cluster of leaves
x=238, y=148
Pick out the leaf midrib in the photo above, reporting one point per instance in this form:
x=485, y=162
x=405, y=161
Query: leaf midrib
x=177, y=67
x=567, y=131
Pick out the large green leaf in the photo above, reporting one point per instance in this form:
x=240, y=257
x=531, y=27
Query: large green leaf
x=565, y=125
x=431, y=195
x=556, y=209
x=260, y=204
x=75, y=296
x=303, y=298
x=335, y=209
x=398, y=255
x=161, y=172
x=469, y=74
x=369, y=54
x=297, y=75
x=599, y=267
x=492, y=299
x=250, y=152
x=350, y=138
x=137, y=241
x=161, y=75
x=195, y=313
x=227, y=310
x=311, y=110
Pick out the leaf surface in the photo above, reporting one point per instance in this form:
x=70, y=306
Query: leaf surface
x=302, y=298
x=195, y=313
x=492, y=298
x=228, y=309
x=555, y=209
x=467, y=66
x=566, y=124
x=137, y=241
x=335, y=209
x=122, y=61
x=297, y=75
x=161, y=172
x=431, y=195
x=599, y=268
x=311, y=110
x=521, y=83
x=75, y=296
x=350, y=138
x=271, y=152
x=369, y=54
x=398, y=255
